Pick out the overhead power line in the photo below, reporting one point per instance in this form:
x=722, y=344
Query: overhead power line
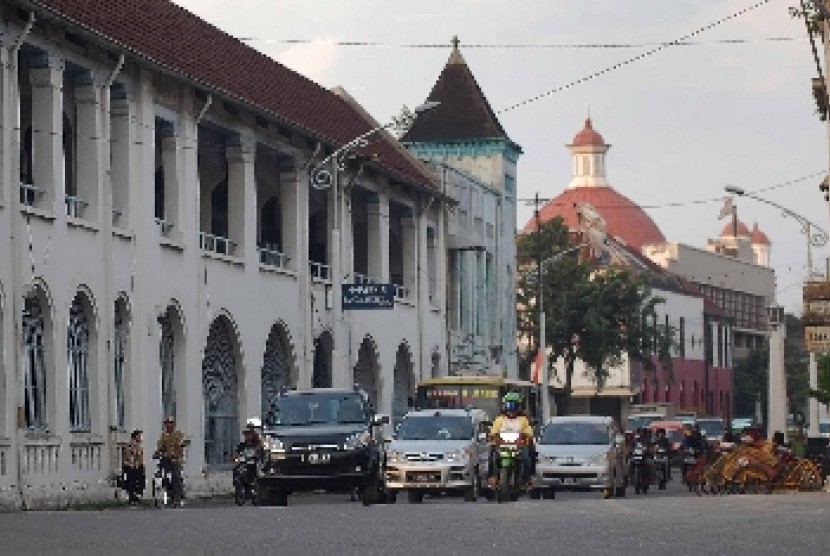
x=636, y=58
x=509, y=46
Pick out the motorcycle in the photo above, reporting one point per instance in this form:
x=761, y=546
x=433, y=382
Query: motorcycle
x=692, y=464
x=509, y=463
x=245, y=475
x=661, y=461
x=639, y=468
x=165, y=492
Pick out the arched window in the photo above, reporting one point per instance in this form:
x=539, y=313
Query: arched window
x=119, y=358
x=77, y=359
x=221, y=397
x=167, y=362
x=34, y=368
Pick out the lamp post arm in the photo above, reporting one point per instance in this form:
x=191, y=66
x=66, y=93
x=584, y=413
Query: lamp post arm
x=815, y=234
x=320, y=175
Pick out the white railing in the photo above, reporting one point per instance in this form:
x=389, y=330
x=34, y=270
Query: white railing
x=364, y=279
x=75, y=206
x=216, y=244
x=41, y=459
x=401, y=292
x=29, y=194
x=165, y=227
x=272, y=257
x=85, y=457
x=319, y=271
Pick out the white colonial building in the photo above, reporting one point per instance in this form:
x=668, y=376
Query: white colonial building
x=475, y=162
x=164, y=253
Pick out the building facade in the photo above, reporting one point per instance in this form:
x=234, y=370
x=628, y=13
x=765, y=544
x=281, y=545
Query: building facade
x=168, y=248
x=475, y=163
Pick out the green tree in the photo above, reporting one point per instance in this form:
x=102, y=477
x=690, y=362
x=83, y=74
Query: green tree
x=822, y=393
x=750, y=383
x=594, y=314
x=796, y=365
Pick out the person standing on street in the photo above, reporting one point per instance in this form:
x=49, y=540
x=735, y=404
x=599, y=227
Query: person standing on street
x=134, y=468
x=170, y=451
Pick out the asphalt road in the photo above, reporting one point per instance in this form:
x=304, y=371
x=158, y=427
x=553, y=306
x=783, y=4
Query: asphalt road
x=671, y=522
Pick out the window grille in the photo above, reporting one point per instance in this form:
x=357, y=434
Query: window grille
x=34, y=369
x=219, y=384
x=118, y=364
x=167, y=363
x=77, y=358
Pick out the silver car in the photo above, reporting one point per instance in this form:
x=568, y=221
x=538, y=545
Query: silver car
x=580, y=452
x=437, y=451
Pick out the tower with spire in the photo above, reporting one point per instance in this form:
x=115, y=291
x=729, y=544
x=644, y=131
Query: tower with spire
x=475, y=159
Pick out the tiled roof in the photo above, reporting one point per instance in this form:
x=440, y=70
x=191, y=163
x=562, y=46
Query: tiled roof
x=464, y=113
x=623, y=218
x=178, y=41
x=588, y=137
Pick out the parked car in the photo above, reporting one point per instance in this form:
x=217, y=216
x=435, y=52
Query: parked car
x=437, y=452
x=580, y=452
x=824, y=428
x=641, y=420
x=321, y=439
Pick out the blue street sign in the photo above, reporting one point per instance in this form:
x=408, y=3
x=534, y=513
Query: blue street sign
x=368, y=296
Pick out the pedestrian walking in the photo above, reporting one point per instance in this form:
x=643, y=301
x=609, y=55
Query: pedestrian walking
x=134, y=471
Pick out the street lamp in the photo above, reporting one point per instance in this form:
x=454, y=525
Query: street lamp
x=321, y=177
x=816, y=236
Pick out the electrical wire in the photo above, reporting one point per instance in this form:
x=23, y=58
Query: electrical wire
x=515, y=46
x=637, y=58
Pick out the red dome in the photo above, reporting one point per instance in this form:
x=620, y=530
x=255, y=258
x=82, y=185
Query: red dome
x=624, y=219
x=587, y=136
x=743, y=231
x=758, y=237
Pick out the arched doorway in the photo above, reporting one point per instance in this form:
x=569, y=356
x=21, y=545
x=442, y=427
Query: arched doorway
x=78, y=364
x=120, y=366
x=220, y=387
x=171, y=357
x=403, y=383
x=321, y=374
x=278, y=370
x=367, y=371
x=36, y=346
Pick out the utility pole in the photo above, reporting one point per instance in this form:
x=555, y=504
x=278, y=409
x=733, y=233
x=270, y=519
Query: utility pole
x=542, y=356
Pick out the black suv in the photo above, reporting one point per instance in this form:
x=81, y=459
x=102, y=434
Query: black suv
x=321, y=439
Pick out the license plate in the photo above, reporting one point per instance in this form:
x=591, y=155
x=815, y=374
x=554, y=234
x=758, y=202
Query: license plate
x=568, y=481
x=318, y=458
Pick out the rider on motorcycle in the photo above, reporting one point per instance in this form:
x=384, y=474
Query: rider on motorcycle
x=511, y=420
x=251, y=440
x=662, y=441
x=170, y=453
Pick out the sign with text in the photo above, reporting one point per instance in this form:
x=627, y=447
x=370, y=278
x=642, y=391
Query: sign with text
x=368, y=296
x=816, y=316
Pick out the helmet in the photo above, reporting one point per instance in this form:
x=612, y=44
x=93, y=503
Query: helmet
x=511, y=401
x=254, y=423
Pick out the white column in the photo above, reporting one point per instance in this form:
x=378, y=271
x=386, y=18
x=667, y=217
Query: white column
x=305, y=343
x=242, y=199
x=290, y=213
x=777, y=416
x=170, y=169
x=90, y=148
x=409, y=244
x=47, y=133
x=121, y=166
x=813, y=415
x=378, y=236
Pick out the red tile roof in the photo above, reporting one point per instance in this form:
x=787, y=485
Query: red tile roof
x=171, y=37
x=587, y=136
x=623, y=218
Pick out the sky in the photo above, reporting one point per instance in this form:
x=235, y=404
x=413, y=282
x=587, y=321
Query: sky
x=683, y=122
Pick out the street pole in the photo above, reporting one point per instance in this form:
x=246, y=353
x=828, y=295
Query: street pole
x=813, y=411
x=777, y=415
x=542, y=357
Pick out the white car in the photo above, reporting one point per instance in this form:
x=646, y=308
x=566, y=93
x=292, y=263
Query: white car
x=438, y=452
x=824, y=428
x=580, y=452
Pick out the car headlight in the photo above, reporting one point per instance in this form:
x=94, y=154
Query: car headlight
x=599, y=459
x=395, y=457
x=357, y=441
x=458, y=456
x=273, y=444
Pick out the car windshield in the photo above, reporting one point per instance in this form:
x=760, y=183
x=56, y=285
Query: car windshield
x=435, y=427
x=318, y=409
x=710, y=427
x=575, y=433
x=824, y=428
x=635, y=422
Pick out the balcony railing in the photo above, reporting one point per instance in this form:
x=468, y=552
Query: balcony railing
x=401, y=292
x=75, y=206
x=29, y=194
x=216, y=244
x=319, y=271
x=165, y=227
x=364, y=279
x=272, y=257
